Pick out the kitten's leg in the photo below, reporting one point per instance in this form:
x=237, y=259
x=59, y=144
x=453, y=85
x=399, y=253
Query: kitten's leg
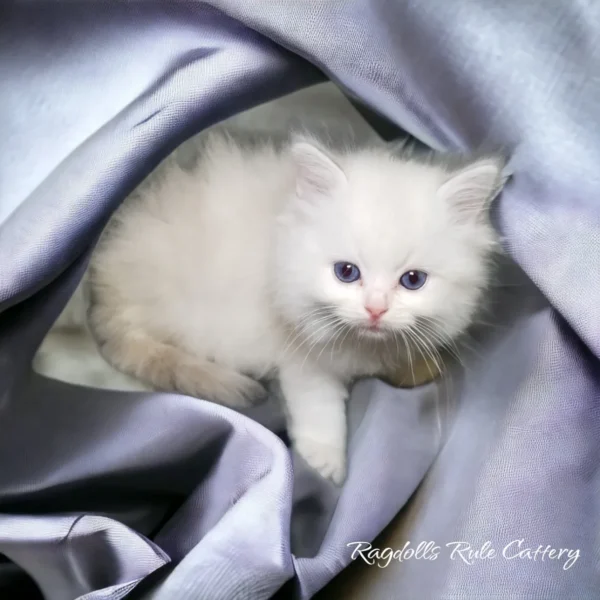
x=169, y=368
x=316, y=406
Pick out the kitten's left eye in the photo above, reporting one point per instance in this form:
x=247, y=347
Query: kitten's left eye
x=346, y=272
x=413, y=280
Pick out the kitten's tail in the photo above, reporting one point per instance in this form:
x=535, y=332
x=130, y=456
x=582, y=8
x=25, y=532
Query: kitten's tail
x=168, y=368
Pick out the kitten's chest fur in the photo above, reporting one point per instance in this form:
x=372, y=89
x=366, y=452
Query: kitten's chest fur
x=347, y=356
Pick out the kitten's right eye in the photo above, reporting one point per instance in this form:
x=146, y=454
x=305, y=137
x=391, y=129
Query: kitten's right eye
x=346, y=272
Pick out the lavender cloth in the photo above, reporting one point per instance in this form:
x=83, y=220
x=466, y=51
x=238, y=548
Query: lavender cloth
x=100, y=491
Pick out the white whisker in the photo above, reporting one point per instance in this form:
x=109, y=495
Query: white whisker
x=408, y=350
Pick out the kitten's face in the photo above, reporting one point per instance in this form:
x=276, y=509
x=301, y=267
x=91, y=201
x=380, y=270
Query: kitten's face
x=378, y=246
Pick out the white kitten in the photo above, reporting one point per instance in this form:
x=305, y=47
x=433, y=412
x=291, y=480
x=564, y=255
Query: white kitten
x=311, y=265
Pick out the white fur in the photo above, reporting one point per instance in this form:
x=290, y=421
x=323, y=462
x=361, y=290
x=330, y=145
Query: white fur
x=209, y=279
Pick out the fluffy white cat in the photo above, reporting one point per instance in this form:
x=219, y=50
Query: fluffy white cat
x=299, y=262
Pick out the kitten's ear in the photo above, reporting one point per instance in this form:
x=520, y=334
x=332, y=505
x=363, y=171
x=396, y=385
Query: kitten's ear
x=317, y=175
x=472, y=189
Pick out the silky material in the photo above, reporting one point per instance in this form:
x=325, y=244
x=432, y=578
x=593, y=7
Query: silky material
x=101, y=491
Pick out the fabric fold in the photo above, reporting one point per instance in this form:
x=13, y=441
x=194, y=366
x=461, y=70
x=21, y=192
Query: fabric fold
x=99, y=489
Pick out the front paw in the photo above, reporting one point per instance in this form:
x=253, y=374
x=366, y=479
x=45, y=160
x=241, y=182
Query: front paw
x=327, y=459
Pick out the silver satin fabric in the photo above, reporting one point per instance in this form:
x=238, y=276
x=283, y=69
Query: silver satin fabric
x=101, y=491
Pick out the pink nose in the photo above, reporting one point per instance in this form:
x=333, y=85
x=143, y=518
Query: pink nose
x=376, y=312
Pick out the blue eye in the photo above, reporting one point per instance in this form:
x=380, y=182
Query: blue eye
x=346, y=272
x=413, y=280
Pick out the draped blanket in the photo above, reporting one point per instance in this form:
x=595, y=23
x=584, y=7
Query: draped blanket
x=114, y=494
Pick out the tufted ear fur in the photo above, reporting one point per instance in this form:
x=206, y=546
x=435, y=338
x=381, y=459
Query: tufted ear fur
x=317, y=175
x=472, y=189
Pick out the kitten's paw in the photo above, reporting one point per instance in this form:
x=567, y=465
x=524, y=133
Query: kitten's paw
x=328, y=460
x=219, y=384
